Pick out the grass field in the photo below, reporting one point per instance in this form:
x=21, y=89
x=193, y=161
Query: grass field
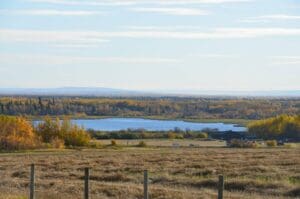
x=184, y=172
x=167, y=143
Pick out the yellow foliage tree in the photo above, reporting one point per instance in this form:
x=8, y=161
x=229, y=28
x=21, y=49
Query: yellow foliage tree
x=283, y=126
x=16, y=133
x=70, y=134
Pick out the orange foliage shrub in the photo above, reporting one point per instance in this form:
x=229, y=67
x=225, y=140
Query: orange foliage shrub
x=16, y=133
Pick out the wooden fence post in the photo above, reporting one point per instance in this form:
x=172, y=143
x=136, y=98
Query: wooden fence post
x=220, y=187
x=146, y=196
x=86, y=183
x=32, y=181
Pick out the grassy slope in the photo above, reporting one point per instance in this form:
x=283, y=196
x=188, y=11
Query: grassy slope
x=175, y=173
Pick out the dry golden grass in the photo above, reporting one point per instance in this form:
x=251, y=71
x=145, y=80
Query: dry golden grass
x=174, y=173
x=167, y=142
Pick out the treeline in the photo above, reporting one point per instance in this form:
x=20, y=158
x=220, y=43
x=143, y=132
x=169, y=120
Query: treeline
x=280, y=127
x=176, y=133
x=167, y=107
x=16, y=133
x=141, y=134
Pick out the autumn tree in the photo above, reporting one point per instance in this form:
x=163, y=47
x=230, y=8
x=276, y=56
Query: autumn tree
x=16, y=133
x=283, y=126
x=64, y=130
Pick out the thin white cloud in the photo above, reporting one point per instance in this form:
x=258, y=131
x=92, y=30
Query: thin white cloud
x=43, y=12
x=96, y=37
x=164, y=28
x=220, y=33
x=281, y=17
x=75, y=45
x=7, y=59
x=286, y=60
x=86, y=2
x=256, y=32
x=186, y=2
x=136, y=2
x=172, y=11
x=271, y=18
x=51, y=37
x=213, y=56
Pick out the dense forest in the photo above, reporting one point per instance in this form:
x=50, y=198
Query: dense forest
x=169, y=107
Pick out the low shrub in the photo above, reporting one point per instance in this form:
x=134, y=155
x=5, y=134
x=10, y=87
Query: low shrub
x=77, y=137
x=202, y=135
x=142, y=144
x=113, y=143
x=57, y=143
x=171, y=135
x=236, y=143
x=271, y=143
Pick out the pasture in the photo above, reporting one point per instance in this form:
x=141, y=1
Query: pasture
x=175, y=173
x=167, y=142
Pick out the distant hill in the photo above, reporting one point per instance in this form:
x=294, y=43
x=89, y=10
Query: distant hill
x=99, y=91
x=269, y=93
x=68, y=91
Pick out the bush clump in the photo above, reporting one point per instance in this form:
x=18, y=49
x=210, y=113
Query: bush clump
x=113, y=143
x=50, y=131
x=57, y=143
x=16, y=133
x=142, y=144
x=271, y=143
x=202, y=135
x=236, y=143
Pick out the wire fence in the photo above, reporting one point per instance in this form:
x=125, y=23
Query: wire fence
x=86, y=182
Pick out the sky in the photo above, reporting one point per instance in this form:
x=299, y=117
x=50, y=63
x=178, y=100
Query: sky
x=232, y=45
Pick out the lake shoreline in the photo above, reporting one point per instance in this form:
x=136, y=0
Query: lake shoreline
x=237, y=122
x=125, y=123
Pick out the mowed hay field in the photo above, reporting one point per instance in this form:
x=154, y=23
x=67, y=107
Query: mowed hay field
x=174, y=172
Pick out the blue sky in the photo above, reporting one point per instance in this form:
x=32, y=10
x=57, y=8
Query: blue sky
x=151, y=44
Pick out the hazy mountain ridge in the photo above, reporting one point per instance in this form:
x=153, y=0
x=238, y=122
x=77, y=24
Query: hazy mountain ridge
x=70, y=91
x=102, y=91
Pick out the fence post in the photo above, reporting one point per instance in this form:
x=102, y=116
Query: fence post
x=32, y=181
x=86, y=183
x=220, y=187
x=146, y=196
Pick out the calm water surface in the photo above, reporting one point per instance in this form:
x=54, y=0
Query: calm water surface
x=116, y=124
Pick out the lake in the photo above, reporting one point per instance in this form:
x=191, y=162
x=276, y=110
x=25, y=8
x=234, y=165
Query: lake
x=116, y=124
